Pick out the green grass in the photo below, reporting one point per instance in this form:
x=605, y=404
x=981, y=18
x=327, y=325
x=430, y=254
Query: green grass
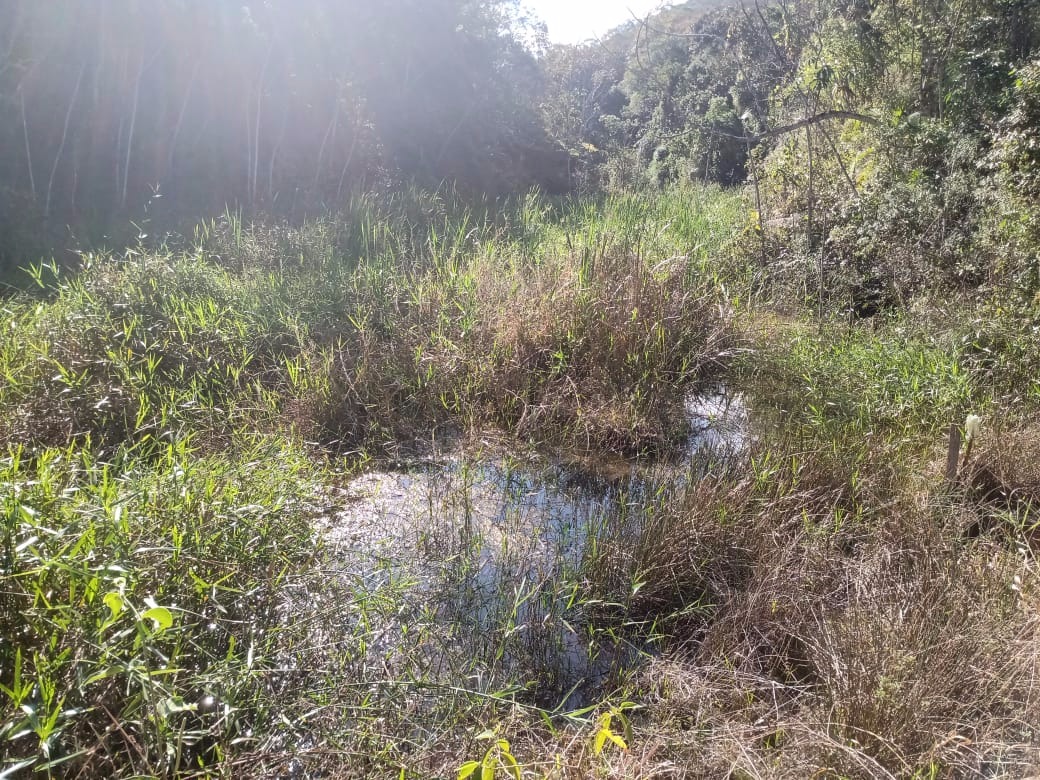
x=861, y=386
x=167, y=414
x=355, y=332
x=141, y=602
x=176, y=422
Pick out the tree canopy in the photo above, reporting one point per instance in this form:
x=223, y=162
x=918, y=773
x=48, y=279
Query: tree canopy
x=853, y=119
x=266, y=103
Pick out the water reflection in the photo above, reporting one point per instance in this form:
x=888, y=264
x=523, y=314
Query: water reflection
x=500, y=546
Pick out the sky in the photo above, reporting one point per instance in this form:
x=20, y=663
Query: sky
x=571, y=21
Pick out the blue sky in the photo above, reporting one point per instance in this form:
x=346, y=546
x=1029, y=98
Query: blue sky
x=570, y=21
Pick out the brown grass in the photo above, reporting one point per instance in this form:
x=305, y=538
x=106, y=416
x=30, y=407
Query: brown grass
x=884, y=646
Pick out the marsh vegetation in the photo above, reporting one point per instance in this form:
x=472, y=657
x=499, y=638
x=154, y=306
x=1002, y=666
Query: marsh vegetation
x=644, y=478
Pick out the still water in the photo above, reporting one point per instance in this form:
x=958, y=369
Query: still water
x=500, y=546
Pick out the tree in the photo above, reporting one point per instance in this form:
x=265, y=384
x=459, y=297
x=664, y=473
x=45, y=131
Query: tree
x=267, y=104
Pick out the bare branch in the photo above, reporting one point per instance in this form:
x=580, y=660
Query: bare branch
x=644, y=24
x=28, y=150
x=823, y=116
x=64, y=136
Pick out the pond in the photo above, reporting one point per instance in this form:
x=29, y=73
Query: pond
x=500, y=549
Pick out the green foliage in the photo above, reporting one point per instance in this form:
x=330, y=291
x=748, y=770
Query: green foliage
x=139, y=593
x=162, y=410
x=605, y=729
x=144, y=350
x=998, y=345
x=498, y=759
x=163, y=113
x=863, y=214
x=1017, y=140
x=169, y=415
x=173, y=610
x=909, y=200
x=395, y=315
x=1010, y=234
x=666, y=111
x=848, y=387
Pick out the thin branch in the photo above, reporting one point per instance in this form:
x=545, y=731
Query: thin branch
x=180, y=116
x=841, y=163
x=350, y=155
x=758, y=207
x=644, y=24
x=28, y=151
x=13, y=36
x=130, y=134
x=823, y=116
x=330, y=132
x=781, y=56
x=64, y=136
x=274, y=157
x=141, y=68
x=254, y=172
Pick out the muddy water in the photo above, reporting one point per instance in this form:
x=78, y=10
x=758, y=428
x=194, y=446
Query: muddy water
x=498, y=545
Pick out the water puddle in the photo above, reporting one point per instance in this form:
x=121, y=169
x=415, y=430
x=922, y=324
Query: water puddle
x=720, y=427
x=498, y=548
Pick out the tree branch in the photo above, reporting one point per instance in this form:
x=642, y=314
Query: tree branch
x=807, y=122
x=823, y=116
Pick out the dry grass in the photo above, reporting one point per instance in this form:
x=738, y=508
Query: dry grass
x=893, y=648
x=816, y=605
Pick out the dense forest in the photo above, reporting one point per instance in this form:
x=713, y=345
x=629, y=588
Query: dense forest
x=280, y=107
x=887, y=141
x=389, y=391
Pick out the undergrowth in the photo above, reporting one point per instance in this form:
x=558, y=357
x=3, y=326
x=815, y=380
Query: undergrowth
x=360, y=329
x=196, y=583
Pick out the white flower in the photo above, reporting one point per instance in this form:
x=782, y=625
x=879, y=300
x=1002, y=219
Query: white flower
x=972, y=427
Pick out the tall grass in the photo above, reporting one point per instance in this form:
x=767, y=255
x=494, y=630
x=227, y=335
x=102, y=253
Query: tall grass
x=360, y=327
x=165, y=606
x=141, y=604
x=186, y=590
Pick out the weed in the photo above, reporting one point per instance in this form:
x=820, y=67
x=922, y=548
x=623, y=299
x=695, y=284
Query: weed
x=184, y=591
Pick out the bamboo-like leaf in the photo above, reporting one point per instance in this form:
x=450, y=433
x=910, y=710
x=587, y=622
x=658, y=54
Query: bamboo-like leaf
x=115, y=603
x=161, y=616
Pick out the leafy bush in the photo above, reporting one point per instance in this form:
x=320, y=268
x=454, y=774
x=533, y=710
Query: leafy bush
x=142, y=604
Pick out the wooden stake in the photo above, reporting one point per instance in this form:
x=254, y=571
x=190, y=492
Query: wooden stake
x=954, y=453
